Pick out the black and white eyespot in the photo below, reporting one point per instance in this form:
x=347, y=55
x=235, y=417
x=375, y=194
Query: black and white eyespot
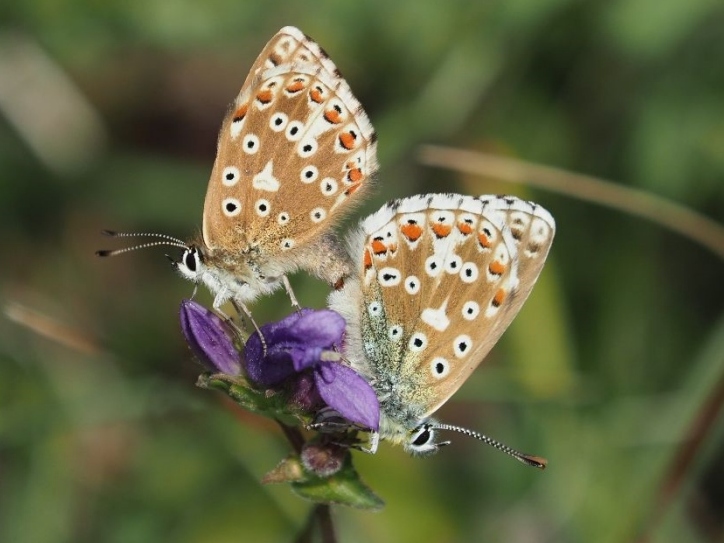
x=230, y=176
x=328, y=186
x=283, y=218
x=462, y=345
x=418, y=342
x=231, y=207
x=318, y=214
x=287, y=244
x=395, y=332
x=294, y=130
x=263, y=207
x=389, y=277
x=307, y=148
x=453, y=264
x=309, y=174
x=412, y=284
x=191, y=265
x=374, y=309
x=433, y=266
x=278, y=121
x=439, y=367
x=470, y=310
x=250, y=144
x=422, y=441
x=469, y=272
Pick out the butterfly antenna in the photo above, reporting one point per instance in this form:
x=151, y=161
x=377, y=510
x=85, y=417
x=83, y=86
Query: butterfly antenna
x=166, y=240
x=528, y=459
x=114, y=234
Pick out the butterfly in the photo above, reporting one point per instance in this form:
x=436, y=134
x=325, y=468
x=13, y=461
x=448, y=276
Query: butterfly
x=439, y=278
x=295, y=153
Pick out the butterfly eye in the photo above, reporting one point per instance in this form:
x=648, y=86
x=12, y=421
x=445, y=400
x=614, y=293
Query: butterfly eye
x=423, y=437
x=190, y=260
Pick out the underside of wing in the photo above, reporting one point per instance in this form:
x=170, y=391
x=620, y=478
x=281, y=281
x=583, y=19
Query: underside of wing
x=449, y=273
x=295, y=151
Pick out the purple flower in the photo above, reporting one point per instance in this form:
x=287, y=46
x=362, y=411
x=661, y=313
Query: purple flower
x=307, y=340
x=207, y=336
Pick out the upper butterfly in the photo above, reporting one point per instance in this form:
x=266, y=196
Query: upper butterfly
x=295, y=153
x=439, y=278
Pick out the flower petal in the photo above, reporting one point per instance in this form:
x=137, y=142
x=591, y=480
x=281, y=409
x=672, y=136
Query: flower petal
x=323, y=328
x=270, y=368
x=292, y=344
x=206, y=334
x=348, y=393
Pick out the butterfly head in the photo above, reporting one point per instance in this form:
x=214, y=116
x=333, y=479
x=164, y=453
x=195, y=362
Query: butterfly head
x=192, y=264
x=421, y=440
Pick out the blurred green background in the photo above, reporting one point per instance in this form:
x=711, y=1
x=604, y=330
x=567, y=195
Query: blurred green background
x=108, y=119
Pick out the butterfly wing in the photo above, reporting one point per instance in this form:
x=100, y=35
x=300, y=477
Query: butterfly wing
x=294, y=153
x=446, y=274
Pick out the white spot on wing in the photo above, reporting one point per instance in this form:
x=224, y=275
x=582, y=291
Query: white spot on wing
x=265, y=179
x=436, y=318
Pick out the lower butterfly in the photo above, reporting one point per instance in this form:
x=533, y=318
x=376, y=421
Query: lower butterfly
x=439, y=278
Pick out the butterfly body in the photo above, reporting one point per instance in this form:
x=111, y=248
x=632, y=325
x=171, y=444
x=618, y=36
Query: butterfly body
x=439, y=278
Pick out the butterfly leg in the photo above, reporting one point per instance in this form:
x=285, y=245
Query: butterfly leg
x=290, y=293
x=241, y=308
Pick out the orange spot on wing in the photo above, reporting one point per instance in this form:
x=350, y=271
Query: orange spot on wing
x=295, y=86
x=367, y=259
x=484, y=240
x=498, y=298
x=496, y=267
x=465, y=228
x=347, y=139
x=316, y=95
x=352, y=189
x=378, y=247
x=411, y=231
x=441, y=230
x=264, y=96
x=332, y=116
x=355, y=175
x=240, y=113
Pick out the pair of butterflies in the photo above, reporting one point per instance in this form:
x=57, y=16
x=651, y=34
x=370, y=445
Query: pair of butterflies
x=427, y=284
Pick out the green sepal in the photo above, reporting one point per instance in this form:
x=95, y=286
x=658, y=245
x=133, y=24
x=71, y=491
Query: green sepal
x=343, y=488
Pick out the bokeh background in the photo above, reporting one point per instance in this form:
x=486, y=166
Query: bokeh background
x=109, y=114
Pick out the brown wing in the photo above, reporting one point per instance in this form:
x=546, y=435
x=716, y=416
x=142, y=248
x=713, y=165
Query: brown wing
x=449, y=273
x=294, y=153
